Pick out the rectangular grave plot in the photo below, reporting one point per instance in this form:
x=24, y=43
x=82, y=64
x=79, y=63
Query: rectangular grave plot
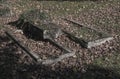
x=88, y=37
x=42, y=51
x=42, y=48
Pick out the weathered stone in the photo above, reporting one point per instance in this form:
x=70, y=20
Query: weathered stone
x=22, y=46
x=44, y=31
x=35, y=16
x=40, y=20
x=98, y=42
x=52, y=31
x=87, y=36
x=51, y=61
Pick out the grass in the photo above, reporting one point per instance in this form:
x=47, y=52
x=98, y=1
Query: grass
x=104, y=21
x=75, y=8
x=2, y=1
x=103, y=15
x=111, y=62
x=4, y=12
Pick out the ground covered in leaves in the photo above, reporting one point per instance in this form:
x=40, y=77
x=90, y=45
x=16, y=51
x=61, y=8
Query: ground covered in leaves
x=96, y=63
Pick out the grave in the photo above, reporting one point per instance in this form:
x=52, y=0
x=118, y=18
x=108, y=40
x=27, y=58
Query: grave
x=87, y=36
x=42, y=21
x=37, y=25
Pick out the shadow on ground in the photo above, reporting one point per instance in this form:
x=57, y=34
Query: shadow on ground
x=93, y=72
x=28, y=29
x=67, y=0
x=10, y=68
